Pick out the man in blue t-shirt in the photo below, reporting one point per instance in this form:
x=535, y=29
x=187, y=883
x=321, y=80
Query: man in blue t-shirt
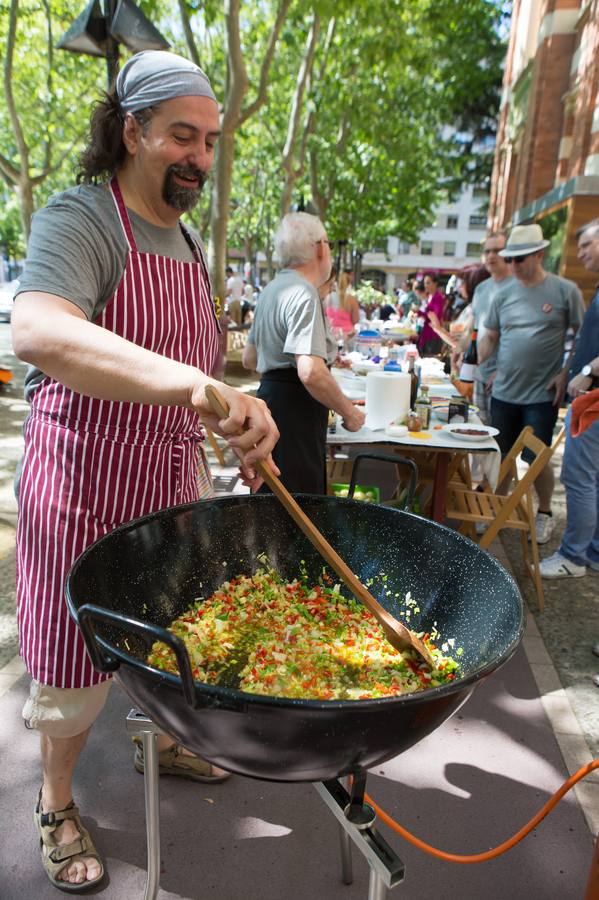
x=579, y=547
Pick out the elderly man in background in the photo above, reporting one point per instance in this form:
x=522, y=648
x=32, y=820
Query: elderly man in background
x=579, y=546
x=527, y=324
x=291, y=346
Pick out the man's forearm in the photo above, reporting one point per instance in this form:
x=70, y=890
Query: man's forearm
x=487, y=346
x=321, y=385
x=93, y=360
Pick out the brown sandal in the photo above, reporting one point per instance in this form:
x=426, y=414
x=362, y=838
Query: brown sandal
x=173, y=761
x=56, y=857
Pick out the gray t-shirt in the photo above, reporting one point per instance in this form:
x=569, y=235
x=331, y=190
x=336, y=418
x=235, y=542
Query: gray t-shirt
x=78, y=250
x=481, y=301
x=532, y=324
x=289, y=320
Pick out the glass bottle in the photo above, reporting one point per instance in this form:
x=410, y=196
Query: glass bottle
x=413, y=379
x=424, y=407
x=470, y=361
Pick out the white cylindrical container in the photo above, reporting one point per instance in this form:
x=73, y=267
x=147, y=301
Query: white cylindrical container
x=387, y=398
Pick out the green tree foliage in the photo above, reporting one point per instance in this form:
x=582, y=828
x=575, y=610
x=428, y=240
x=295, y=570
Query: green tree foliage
x=46, y=95
x=369, y=111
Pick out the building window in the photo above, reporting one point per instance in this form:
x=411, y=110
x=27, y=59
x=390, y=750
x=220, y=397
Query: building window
x=473, y=250
x=452, y=221
x=426, y=248
x=449, y=248
x=404, y=247
x=480, y=192
x=478, y=221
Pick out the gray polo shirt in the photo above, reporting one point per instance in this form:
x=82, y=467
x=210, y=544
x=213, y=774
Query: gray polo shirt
x=77, y=250
x=532, y=324
x=289, y=320
x=481, y=301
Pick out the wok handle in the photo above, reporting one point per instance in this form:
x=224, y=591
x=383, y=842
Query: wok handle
x=386, y=457
x=106, y=663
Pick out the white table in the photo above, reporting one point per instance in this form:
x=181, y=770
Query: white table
x=436, y=441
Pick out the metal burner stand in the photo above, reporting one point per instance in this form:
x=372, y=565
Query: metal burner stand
x=355, y=819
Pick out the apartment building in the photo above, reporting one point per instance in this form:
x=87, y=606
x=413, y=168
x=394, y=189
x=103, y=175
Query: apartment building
x=451, y=242
x=546, y=166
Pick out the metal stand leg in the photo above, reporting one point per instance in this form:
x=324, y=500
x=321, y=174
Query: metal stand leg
x=356, y=821
x=347, y=874
x=152, y=814
x=376, y=886
x=139, y=725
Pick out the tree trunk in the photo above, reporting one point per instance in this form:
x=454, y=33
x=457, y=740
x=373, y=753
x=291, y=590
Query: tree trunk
x=292, y=172
x=219, y=211
x=26, y=208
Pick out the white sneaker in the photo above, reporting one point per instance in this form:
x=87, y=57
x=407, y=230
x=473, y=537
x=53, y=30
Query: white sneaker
x=557, y=566
x=544, y=525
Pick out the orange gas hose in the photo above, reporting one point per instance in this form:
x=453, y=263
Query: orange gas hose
x=502, y=848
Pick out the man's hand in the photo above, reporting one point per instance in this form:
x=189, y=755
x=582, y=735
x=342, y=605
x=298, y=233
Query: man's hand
x=489, y=383
x=579, y=384
x=249, y=476
x=249, y=428
x=558, y=384
x=354, y=421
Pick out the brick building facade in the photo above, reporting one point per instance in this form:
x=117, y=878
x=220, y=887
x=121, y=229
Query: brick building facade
x=546, y=166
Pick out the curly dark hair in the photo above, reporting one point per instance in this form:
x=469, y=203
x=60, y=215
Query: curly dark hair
x=105, y=150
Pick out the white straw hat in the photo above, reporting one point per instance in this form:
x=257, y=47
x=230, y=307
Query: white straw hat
x=524, y=239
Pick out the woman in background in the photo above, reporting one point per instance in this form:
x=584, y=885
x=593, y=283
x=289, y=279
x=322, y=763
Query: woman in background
x=429, y=343
x=470, y=278
x=342, y=308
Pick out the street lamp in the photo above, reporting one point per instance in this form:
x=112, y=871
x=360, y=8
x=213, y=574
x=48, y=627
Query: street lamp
x=98, y=32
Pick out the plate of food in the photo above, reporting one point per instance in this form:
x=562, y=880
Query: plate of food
x=470, y=431
x=365, y=366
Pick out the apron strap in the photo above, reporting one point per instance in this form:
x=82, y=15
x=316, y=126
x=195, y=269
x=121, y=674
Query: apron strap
x=122, y=214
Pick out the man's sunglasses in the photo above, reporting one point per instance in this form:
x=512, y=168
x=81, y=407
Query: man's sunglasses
x=516, y=259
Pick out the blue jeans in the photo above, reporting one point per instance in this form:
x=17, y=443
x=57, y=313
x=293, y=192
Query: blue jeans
x=580, y=477
x=511, y=418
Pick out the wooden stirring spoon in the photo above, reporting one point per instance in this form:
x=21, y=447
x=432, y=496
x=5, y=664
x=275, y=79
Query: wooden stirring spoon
x=397, y=634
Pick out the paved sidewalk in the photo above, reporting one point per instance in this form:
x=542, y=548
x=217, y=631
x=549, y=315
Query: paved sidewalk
x=469, y=786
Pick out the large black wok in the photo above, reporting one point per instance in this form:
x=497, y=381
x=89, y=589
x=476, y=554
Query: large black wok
x=125, y=589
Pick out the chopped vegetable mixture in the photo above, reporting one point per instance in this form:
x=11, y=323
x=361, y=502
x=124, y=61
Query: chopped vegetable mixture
x=267, y=636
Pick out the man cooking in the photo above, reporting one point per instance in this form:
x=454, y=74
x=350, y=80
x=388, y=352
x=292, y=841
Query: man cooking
x=115, y=317
x=291, y=346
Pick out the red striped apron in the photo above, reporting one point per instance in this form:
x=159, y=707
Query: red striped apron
x=90, y=465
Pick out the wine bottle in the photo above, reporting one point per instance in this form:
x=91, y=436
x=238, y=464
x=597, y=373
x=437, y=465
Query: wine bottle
x=413, y=379
x=470, y=361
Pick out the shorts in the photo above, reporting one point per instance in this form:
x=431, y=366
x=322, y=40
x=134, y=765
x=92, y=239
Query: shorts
x=511, y=418
x=64, y=712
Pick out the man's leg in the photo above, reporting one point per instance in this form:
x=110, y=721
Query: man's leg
x=508, y=419
x=542, y=418
x=64, y=717
x=544, y=485
x=580, y=474
x=59, y=758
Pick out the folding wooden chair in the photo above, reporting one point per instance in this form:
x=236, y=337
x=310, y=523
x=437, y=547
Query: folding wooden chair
x=513, y=510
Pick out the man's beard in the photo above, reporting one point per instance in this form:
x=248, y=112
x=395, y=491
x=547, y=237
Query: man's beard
x=176, y=195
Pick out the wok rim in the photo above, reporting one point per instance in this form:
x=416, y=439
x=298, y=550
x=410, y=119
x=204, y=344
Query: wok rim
x=231, y=695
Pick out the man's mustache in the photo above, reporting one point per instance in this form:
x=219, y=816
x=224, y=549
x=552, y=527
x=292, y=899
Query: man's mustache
x=191, y=172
